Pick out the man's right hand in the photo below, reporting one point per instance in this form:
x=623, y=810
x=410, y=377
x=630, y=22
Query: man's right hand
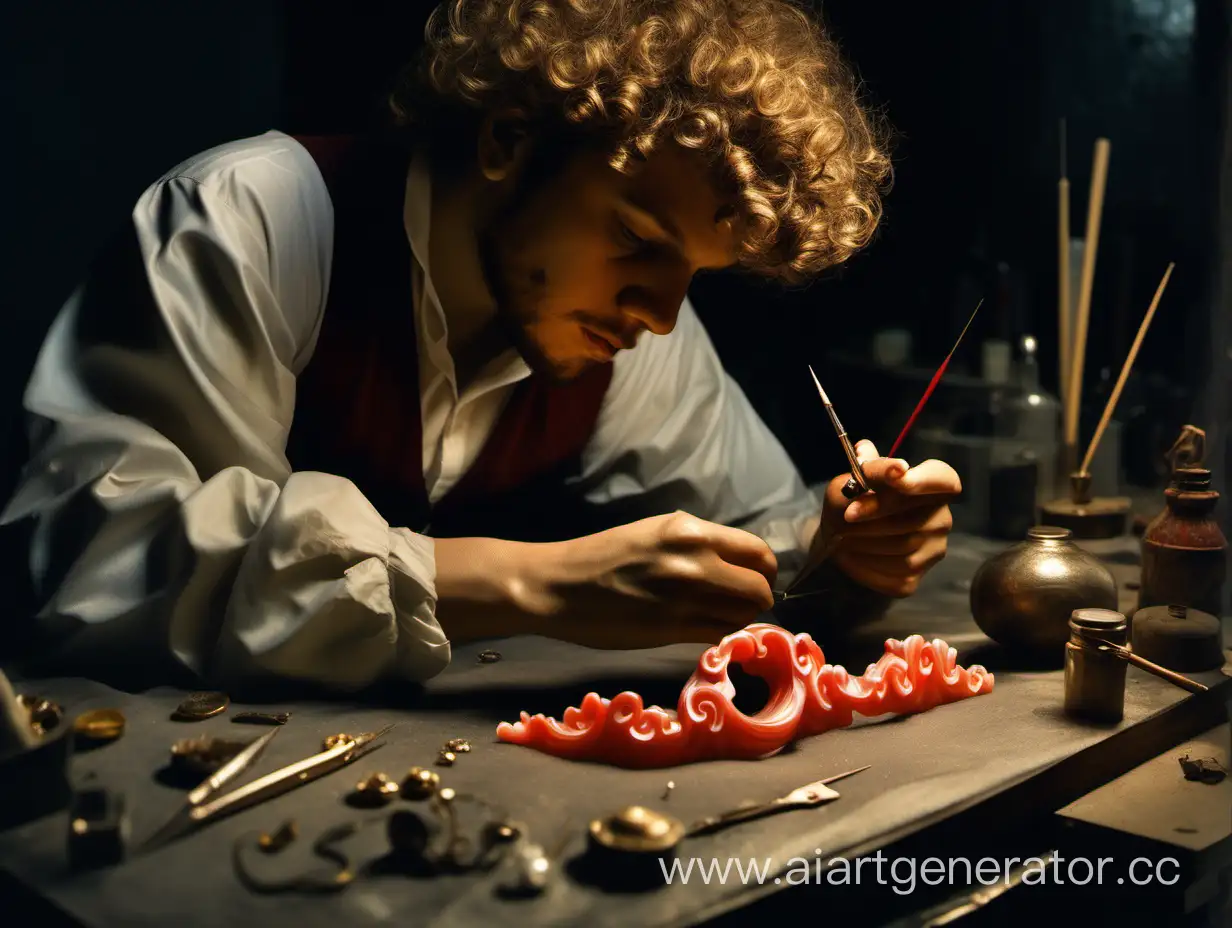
x=662, y=580
x=666, y=579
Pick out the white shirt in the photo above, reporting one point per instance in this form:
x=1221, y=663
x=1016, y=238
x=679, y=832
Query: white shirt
x=167, y=516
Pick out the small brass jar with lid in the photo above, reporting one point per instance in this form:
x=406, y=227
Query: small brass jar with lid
x=1095, y=679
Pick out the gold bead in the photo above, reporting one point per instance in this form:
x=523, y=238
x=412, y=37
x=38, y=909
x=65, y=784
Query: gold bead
x=420, y=783
x=377, y=790
x=273, y=843
x=334, y=740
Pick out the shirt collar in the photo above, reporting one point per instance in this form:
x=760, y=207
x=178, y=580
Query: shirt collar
x=433, y=318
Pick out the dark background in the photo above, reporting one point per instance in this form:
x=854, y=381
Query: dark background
x=101, y=99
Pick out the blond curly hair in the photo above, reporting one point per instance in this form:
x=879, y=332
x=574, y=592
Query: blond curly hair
x=756, y=84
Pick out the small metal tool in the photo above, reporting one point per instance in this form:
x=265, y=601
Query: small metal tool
x=858, y=484
x=200, y=808
x=814, y=794
x=782, y=596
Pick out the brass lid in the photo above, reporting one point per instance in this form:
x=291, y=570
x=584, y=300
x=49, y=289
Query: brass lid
x=1107, y=624
x=1049, y=533
x=638, y=830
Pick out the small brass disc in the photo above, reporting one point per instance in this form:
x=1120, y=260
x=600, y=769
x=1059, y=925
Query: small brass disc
x=639, y=830
x=99, y=725
x=200, y=706
x=458, y=745
x=446, y=758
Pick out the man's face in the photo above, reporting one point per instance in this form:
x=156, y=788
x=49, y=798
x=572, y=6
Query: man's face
x=584, y=260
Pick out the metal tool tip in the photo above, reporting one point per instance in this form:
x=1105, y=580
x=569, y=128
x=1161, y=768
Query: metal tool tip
x=848, y=773
x=825, y=399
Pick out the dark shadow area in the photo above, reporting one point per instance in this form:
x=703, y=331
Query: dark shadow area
x=995, y=657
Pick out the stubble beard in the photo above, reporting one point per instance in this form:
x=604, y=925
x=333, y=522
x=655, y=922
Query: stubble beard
x=517, y=291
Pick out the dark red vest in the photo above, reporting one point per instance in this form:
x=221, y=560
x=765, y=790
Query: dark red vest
x=357, y=411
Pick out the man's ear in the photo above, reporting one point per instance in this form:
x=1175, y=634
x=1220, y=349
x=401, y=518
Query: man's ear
x=504, y=143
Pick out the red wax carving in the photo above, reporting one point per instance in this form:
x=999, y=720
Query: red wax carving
x=807, y=697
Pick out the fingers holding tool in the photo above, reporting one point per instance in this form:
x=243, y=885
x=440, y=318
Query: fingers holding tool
x=899, y=530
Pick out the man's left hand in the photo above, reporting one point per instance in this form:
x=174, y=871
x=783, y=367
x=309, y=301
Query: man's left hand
x=892, y=535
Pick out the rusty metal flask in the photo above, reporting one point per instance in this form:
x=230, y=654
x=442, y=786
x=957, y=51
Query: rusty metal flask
x=1184, y=552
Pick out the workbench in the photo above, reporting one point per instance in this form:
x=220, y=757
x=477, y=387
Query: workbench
x=959, y=781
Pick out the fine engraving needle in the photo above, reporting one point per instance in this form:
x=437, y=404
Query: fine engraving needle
x=857, y=473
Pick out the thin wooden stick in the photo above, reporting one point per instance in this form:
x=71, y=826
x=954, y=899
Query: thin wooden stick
x=1064, y=310
x=1125, y=369
x=1095, y=209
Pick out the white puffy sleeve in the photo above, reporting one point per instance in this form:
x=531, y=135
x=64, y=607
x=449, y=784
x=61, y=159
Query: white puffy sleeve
x=168, y=531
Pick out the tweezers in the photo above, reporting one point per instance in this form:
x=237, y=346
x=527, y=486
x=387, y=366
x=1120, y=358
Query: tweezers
x=203, y=806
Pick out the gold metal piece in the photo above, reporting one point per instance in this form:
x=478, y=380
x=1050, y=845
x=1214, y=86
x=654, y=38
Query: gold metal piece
x=44, y=714
x=446, y=758
x=334, y=740
x=501, y=832
x=447, y=794
x=637, y=830
x=204, y=754
x=200, y=706
x=458, y=745
x=99, y=725
x=420, y=783
x=671, y=785
x=273, y=843
x=376, y=790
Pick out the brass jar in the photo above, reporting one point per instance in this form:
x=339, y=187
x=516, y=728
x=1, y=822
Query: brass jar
x=1023, y=597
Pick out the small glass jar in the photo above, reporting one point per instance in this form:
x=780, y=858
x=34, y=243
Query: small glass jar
x=1094, y=679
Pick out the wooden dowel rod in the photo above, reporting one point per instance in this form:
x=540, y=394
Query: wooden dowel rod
x=1095, y=209
x=1065, y=322
x=1125, y=369
x=1064, y=312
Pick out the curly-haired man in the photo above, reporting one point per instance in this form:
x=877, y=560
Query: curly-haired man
x=334, y=403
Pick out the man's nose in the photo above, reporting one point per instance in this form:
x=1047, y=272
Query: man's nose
x=653, y=309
